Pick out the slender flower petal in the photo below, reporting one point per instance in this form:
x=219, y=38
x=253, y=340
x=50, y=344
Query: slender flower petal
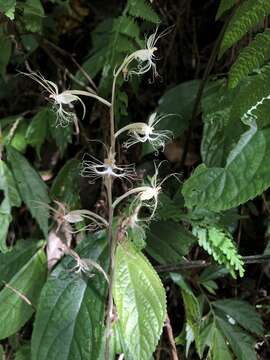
x=147, y=132
x=63, y=102
x=94, y=168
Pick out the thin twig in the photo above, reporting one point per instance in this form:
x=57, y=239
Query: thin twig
x=171, y=338
x=189, y=265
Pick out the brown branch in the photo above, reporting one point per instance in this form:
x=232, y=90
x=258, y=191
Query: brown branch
x=171, y=338
x=197, y=264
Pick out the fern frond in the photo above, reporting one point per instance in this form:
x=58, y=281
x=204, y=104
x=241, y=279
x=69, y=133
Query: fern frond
x=251, y=58
x=224, y=6
x=252, y=98
x=219, y=244
x=142, y=9
x=248, y=14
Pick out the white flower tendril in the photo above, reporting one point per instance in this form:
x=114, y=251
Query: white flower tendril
x=148, y=195
x=64, y=99
x=142, y=132
x=94, y=168
x=144, y=57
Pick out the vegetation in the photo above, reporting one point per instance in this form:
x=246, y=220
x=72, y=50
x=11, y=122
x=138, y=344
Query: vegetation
x=134, y=180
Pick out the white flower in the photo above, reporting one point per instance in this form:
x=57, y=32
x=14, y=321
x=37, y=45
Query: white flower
x=95, y=168
x=148, y=195
x=145, y=57
x=63, y=102
x=143, y=132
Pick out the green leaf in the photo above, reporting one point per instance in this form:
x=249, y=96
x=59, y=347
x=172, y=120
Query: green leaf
x=28, y=281
x=8, y=8
x=241, y=343
x=12, y=261
x=168, y=242
x=142, y=9
x=61, y=135
x=11, y=198
x=6, y=47
x=251, y=58
x=32, y=189
x=33, y=13
x=219, y=348
x=70, y=314
x=224, y=6
x=247, y=15
x=220, y=132
x=243, y=177
x=192, y=308
x=140, y=301
x=252, y=101
x=37, y=130
x=65, y=187
x=242, y=313
x=23, y=353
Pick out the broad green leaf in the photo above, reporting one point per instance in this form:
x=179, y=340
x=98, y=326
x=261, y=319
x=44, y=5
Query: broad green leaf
x=33, y=13
x=11, y=198
x=18, y=140
x=70, y=314
x=6, y=47
x=8, y=8
x=242, y=313
x=32, y=189
x=243, y=177
x=248, y=14
x=167, y=242
x=140, y=301
x=15, y=311
x=37, y=130
x=241, y=343
x=12, y=261
x=23, y=353
x=65, y=187
x=219, y=349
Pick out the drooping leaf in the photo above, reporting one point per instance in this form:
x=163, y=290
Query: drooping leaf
x=32, y=189
x=65, y=187
x=12, y=261
x=167, y=242
x=244, y=176
x=248, y=14
x=33, y=13
x=11, y=198
x=140, y=301
x=23, y=287
x=38, y=130
x=219, y=349
x=241, y=343
x=70, y=314
x=242, y=313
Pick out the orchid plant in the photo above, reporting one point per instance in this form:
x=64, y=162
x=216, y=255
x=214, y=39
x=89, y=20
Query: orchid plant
x=143, y=196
